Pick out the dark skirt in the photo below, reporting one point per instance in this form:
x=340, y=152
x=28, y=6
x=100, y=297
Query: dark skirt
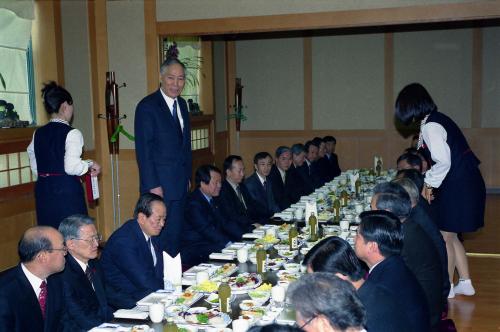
x=58, y=197
x=460, y=200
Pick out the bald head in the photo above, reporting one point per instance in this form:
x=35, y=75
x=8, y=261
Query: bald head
x=42, y=250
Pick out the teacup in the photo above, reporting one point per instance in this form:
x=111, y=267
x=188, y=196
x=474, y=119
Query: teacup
x=156, y=312
x=298, y=214
x=242, y=255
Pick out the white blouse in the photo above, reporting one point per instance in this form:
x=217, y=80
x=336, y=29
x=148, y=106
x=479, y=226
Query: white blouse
x=435, y=136
x=73, y=163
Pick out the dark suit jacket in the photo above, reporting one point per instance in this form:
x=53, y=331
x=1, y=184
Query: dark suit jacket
x=333, y=160
x=86, y=307
x=163, y=156
x=281, y=191
x=265, y=202
x=129, y=272
x=306, y=173
x=422, y=259
x=203, y=231
x=232, y=208
x=324, y=170
x=420, y=216
x=383, y=314
x=393, y=275
x=19, y=307
x=297, y=185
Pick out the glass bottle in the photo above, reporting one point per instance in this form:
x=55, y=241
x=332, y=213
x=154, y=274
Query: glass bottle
x=357, y=185
x=293, y=237
x=336, y=208
x=313, y=228
x=170, y=326
x=261, y=259
x=344, y=197
x=224, y=296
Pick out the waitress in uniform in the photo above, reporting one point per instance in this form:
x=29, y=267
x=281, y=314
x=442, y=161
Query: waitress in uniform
x=55, y=156
x=453, y=184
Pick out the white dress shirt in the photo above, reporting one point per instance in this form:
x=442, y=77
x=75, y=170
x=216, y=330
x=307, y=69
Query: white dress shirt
x=435, y=136
x=73, y=163
x=84, y=267
x=282, y=173
x=35, y=282
x=262, y=179
x=170, y=104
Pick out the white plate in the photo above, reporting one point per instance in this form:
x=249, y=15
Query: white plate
x=244, y=289
x=190, y=317
x=152, y=298
x=130, y=314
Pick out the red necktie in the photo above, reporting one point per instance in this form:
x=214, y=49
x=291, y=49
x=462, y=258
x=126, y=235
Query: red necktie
x=42, y=298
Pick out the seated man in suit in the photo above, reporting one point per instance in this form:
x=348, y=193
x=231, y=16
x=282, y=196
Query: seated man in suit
x=280, y=177
x=322, y=163
x=234, y=200
x=259, y=186
x=84, y=293
x=333, y=160
x=205, y=228
x=409, y=161
x=335, y=255
x=298, y=184
x=378, y=243
x=326, y=303
x=420, y=217
x=31, y=296
x=309, y=170
x=132, y=259
x=418, y=252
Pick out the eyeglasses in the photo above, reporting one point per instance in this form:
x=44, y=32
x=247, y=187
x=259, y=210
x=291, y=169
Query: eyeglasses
x=307, y=322
x=93, y=239
x=64, y=249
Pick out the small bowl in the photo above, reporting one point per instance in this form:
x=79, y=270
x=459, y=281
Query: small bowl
x=259, y=297
x=248, y=304
x=292, y=267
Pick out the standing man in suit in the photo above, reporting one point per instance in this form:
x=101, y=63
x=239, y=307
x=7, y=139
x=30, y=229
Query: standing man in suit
x=378, y=243
x=132, y=259
x=206, y=230
x=419, y=252
x=84, y=292
x=163, y=148
x=330, y=144
x=235, y=202
x=31, y=296
x=260, y=187
x=279, y=177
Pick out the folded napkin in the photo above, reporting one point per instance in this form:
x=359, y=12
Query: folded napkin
x=221, y=256
x=130, y=314
x=172, y=271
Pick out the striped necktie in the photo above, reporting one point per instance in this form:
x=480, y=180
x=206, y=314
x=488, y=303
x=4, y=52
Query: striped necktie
x=42, y=297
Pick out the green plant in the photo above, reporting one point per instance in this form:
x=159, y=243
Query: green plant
x=192, y=64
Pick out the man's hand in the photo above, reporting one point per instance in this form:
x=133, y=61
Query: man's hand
x=158, y=191
x=427, y=193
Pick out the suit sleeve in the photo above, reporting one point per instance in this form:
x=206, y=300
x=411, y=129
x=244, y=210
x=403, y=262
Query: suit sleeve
x=197, y=219
x=77, y=310
x=144, y=131
x=126, y=259
x=7, y=318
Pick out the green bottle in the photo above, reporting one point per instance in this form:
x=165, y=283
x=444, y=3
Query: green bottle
x=170, y=326
x=357, y=184
x=224, y=296
x=261, y=260
x=293, y=237
x=344, y=197
x=313, y=228
x=336, y=207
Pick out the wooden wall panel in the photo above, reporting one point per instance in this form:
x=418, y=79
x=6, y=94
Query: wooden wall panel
x=356, y=148
x=12, y=229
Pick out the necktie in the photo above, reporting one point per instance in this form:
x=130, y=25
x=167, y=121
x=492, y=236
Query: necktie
x=42, y=297
x=240, y=196
x=153, y=253
x=212, y=204
x=265, y=185
x=176, y=118
x=89, y=274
